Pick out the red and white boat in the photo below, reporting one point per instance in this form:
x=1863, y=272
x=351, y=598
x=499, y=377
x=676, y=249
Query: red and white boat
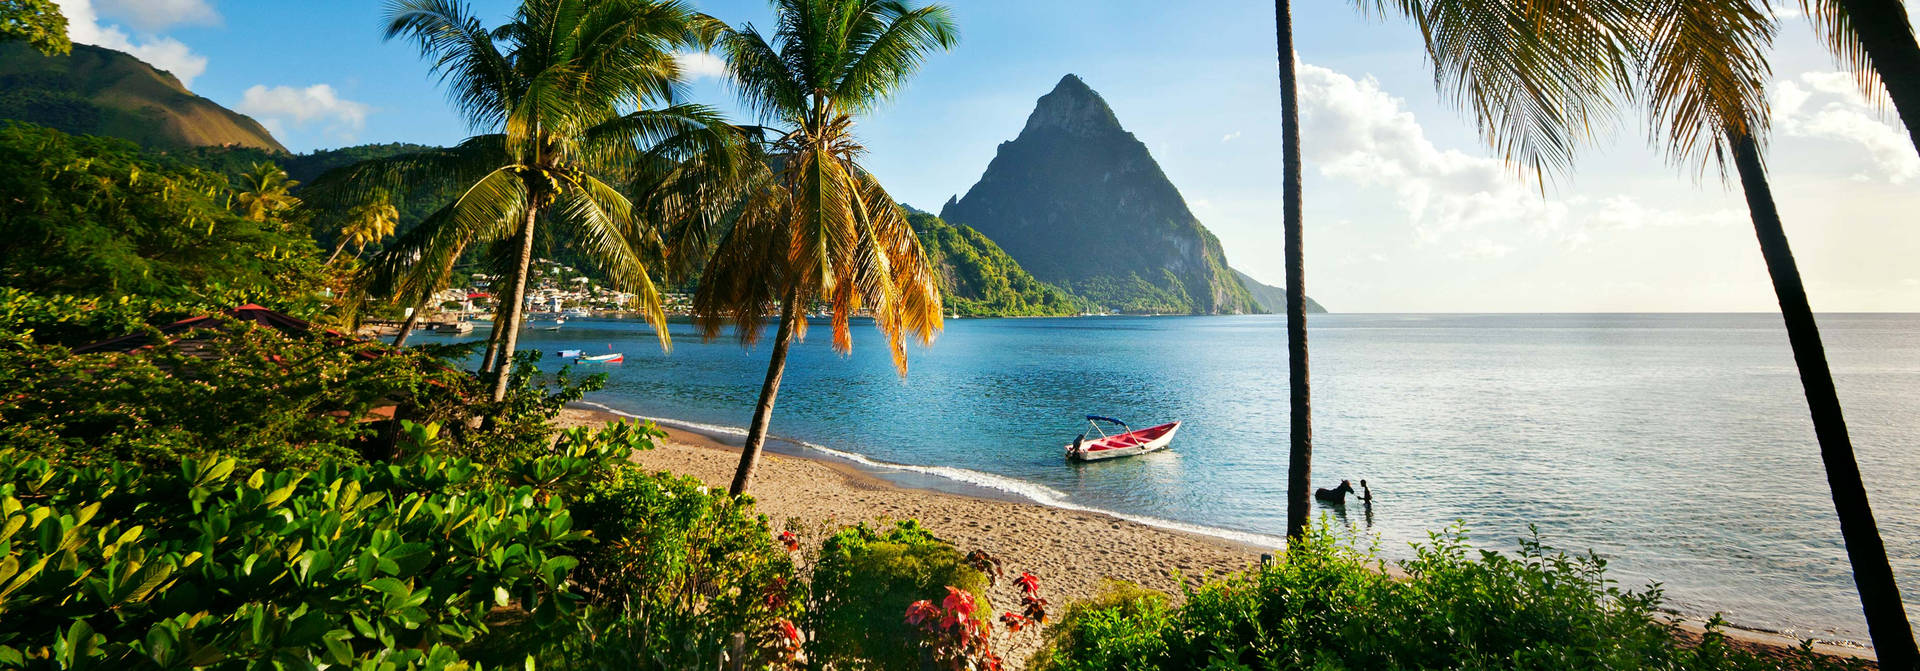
x=605, y=358
x=1125, y=444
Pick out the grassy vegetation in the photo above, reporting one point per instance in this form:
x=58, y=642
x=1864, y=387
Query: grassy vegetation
x=980, y=280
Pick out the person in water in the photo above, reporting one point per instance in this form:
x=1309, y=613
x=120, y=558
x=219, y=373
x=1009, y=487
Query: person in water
x=1335, y=495
x=1365, y=493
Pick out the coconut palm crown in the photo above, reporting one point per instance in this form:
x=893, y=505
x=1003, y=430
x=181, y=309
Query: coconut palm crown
x=570, y=97
x=810, y=223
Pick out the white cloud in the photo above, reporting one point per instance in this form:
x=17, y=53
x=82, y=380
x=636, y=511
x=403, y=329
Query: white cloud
x=152, y=16
x=1356, y=132
x=1230, y=136
x=165, y=53
x=279, y=106
x=1839, y=112
x=697, y=65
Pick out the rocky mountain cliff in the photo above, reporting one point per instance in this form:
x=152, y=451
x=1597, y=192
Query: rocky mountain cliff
x=1273, y=298
x=96, y=91
x=1081, y=204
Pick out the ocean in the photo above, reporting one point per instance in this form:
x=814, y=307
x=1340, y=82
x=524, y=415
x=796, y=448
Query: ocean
x=1676, y=446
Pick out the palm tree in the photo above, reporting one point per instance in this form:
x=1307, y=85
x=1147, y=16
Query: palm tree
x=1300, y=432
x=1874, y=39
x=265, y=191
x=812, y=224
x=1537, y=75
x=550, y=90
x=367, y=223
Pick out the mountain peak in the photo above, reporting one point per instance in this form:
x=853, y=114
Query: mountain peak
x=1074, y=108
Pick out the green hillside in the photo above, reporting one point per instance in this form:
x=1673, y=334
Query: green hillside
x=98, y=91
x=980, y=280
x=1273, y=298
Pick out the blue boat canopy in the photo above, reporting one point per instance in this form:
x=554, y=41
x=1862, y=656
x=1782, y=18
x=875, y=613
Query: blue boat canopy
x=1110, y=420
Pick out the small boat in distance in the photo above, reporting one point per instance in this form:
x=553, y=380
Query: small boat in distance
x=1127, y=443
x=457, y=327
x=615, y=357
x=557, y=323
x=570, y=353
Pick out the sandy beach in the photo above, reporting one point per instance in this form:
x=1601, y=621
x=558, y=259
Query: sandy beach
x=1072, y=552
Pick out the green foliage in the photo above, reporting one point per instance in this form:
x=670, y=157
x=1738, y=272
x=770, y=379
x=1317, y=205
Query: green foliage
x=1328, y=605
x=680, y=570
x=39, y=23
x=1132, y=294
x=521, y=424
x=196, y=565
x=864, y=582
x=251, y=393
x=92, y=216
x=980, y=280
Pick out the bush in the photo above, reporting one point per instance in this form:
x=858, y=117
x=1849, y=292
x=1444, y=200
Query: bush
x=119, y=565
x=253, y=394
x=1329, y=605
x=679, y=570
x=864, y=582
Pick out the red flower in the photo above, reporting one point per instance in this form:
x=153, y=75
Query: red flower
x=921, y=612
x=958, y=601
x=790, y=540
x=1027, y=582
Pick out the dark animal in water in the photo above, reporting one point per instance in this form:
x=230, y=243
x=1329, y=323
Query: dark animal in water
x=1335, y=495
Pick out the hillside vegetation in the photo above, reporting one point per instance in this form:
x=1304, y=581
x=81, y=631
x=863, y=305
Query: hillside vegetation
x=980, y=280
x=97, y=91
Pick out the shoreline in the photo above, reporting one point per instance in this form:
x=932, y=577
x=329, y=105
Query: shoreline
x=819, y=488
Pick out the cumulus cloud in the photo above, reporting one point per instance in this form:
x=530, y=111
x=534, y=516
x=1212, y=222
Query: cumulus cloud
x=1829, y=106
x=152, y=16
x=281, y=106
x=1360, y=134
x=697, y=65
x=165, y=53
x=1230, y=136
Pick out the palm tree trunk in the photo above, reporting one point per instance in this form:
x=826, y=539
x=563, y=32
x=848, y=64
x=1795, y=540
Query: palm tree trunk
x=514, y=310
x=406, y=327
x=336, y=251
x=1888, y=38
x=1300, y=432
x=1879, y=598
x=763, y=411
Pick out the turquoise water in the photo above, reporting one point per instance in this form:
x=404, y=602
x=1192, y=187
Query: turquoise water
x=1677, y=446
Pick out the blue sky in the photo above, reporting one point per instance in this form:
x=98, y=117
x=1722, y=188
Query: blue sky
x=1406, y=211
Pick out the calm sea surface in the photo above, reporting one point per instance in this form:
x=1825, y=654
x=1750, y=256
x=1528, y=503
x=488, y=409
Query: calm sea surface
x=1676, y=446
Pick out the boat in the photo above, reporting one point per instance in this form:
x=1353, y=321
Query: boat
x=570, y=353
x=615, y=357
x=557, y=323
x=1129, y=442
x=457, y=328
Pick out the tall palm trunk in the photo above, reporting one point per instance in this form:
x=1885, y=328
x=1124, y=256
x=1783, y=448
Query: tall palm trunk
x=763, y=411
x=1879, y=598
x=1888, y=38
x=513, y=310
x=406, y=327
x=1300, y=432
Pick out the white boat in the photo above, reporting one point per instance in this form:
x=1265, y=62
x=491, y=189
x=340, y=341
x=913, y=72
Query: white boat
x=1129, y=442
x=457, y=328
x=615, y=357
x=570, y=354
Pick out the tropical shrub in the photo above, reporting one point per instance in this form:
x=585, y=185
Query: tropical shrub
x=198, y=566
x=679, y=572
x=1330, y=605
x=92, y=216
x=521, y=424
x=863, y=584
x=255, y=395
